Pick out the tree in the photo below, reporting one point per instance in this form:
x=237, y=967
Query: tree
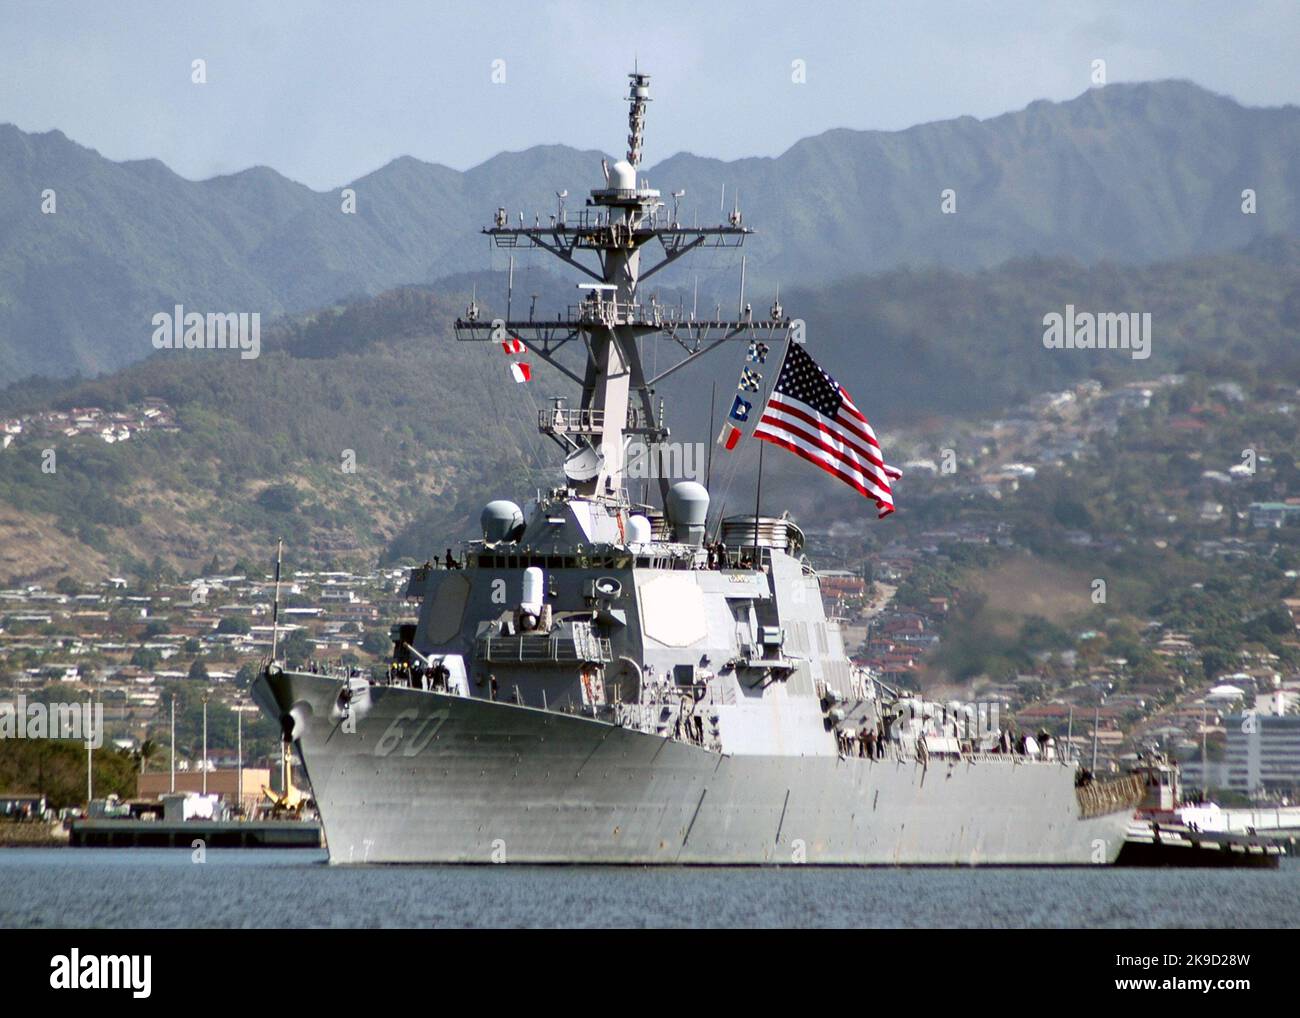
x=1215, y=662
x=1071, y=513
x=198, y=670
x=1037, y=633
x=234, y=624
x=296, y=648
x=280, y=498
x=56, y=768
x=60, y=692
x=375, y=642
x=147, y=751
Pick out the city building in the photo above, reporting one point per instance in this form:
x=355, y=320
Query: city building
x=1273, y=514
x=1262, y=757
x=222, y=782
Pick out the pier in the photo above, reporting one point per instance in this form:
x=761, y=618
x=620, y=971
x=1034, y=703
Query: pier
x=183, y=834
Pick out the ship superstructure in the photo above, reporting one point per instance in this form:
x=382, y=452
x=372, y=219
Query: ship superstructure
x=601, y=681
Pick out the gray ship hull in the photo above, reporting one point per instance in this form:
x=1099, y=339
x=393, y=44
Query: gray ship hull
x=430, y=778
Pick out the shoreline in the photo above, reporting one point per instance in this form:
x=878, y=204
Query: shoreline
x=33, y=834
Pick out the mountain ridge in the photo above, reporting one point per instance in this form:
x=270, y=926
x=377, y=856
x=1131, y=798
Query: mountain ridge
x=1136, y=172
x=1162, y=85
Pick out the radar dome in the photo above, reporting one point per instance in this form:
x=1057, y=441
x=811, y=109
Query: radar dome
x=639, y=530
x=688, y=508
x=534, y=590
x=501, y=520
x=622, y=176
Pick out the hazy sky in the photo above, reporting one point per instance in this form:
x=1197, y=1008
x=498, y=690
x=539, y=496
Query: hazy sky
x=326, y=92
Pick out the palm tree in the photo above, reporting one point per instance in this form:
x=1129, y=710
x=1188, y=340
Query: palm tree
x=148, y=750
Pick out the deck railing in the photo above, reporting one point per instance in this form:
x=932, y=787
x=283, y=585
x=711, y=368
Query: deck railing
x=544, y=650
x=566, y=420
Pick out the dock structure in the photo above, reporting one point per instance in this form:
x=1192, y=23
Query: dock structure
x=183, y=834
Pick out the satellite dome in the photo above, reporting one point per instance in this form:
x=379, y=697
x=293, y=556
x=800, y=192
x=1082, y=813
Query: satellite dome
x=501, y=520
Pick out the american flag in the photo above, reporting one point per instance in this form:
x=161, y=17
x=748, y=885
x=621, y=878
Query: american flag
x=810, y=414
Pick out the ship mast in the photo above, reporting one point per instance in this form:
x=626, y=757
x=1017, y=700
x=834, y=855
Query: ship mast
x=621, y=220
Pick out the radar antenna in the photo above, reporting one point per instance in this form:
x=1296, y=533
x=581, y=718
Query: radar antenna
x=604, y=241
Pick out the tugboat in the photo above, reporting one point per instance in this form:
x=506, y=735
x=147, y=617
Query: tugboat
x=598, y=680
x=1168, y=831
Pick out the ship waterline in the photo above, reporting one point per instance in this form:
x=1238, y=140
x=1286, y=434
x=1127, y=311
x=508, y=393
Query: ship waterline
x=425, y=777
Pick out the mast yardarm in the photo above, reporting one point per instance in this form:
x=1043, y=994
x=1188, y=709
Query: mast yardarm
x=604, y=242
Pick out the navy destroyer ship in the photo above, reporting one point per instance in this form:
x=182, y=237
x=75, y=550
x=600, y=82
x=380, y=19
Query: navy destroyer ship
x=598, y=680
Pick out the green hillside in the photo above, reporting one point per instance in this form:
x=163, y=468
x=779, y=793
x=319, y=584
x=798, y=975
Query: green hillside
x=436, y=428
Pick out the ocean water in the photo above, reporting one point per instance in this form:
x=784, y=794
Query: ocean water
x=69, y=887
